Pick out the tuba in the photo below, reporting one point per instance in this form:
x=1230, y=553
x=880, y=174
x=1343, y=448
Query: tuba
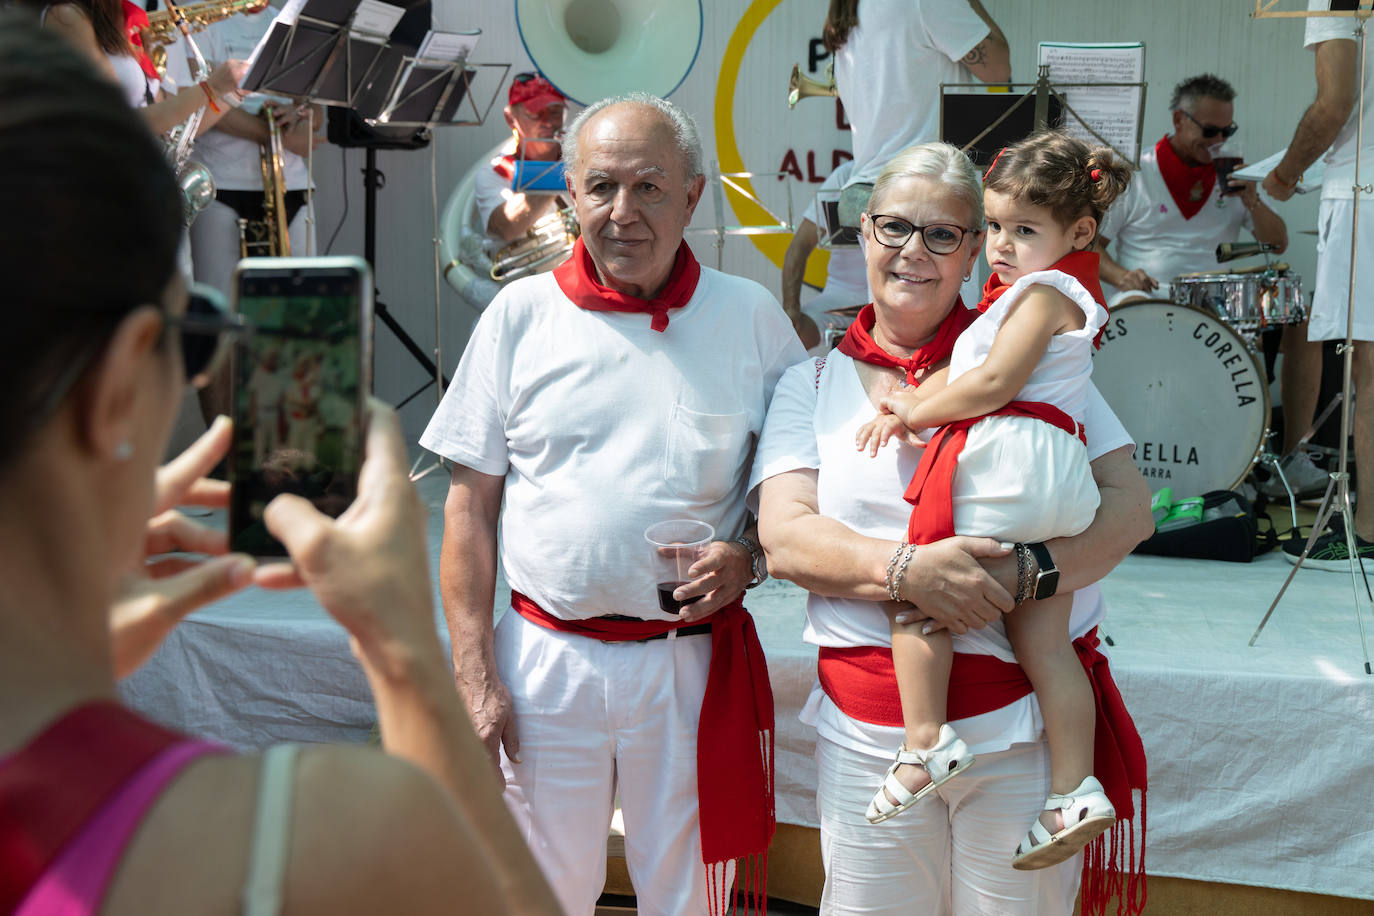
x=543, y=247
x=268, y=237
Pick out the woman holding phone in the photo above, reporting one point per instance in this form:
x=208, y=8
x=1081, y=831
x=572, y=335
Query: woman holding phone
x=101, y=810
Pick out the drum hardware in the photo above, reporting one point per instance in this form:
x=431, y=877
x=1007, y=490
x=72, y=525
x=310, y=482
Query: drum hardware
x=801, y=86
x=1337, y=496
x=1229, y=251
x=1250, y=301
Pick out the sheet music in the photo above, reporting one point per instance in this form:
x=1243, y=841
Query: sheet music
x=376, y=18
x=1112, y=111
x=450, y=46
x=1311, y=179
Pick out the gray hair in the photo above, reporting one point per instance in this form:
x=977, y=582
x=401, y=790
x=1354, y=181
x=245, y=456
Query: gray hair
x=684, y=128
x=1204, y=86
x=939, y=162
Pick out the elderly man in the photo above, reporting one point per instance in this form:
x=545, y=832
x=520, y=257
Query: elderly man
x=1330, y=125
x=623, y=389
x=1170, y=221
x=535, y=112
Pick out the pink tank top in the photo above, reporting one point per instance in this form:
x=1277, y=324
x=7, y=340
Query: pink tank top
x=75, y=883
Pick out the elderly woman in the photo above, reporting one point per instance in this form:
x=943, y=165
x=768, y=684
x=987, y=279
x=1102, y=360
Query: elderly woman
x=101, y=810
x=831, y=519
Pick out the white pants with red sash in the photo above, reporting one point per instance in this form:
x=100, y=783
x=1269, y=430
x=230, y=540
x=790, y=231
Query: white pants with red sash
x=594, y=719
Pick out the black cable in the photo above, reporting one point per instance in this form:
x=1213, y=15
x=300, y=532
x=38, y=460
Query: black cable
x=343, y=170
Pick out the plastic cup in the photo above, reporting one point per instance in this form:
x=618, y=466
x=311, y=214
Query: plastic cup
x=676, y=543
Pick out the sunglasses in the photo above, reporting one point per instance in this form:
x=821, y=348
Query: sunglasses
x=207, y=329
x=1209, y=130
x=894, y=232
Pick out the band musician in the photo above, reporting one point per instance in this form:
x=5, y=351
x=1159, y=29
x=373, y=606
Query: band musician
x=535, y=111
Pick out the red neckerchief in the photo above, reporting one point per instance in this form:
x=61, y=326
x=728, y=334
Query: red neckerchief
x=859, y=344
x=734, y=743
x=135, y=21
x=577, y=278
x=505, y=167
x=1083, y=266
x=862, y=683
x=1189, y=185
x=51, y=786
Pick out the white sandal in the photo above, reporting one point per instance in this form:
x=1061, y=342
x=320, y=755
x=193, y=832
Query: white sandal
x=949, y=757
x=1087, y=814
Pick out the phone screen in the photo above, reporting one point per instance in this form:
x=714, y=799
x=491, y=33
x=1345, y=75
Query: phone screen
x=301, y=378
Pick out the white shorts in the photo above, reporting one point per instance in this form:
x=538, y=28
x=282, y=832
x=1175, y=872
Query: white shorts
x=1335, y=221
x=949, y=855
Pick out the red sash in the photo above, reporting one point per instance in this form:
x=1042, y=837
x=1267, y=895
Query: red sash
x=577, y=278
x=863, y=685
x=52, y=786
x=932, y=487
x=735, y=736
x=859, y=344
x=1189, y=185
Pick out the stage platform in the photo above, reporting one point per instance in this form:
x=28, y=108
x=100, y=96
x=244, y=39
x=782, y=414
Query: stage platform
x=1260, y=757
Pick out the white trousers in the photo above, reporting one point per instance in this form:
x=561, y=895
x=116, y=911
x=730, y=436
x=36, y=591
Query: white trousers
x=948, y=854
x=594, y=718
x=215, y=244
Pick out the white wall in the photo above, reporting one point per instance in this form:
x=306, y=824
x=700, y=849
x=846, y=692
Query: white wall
x=1263, y=59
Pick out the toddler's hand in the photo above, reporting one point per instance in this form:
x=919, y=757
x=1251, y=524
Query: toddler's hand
x=874, y=434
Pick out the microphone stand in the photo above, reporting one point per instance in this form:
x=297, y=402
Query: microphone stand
x=1337, y=494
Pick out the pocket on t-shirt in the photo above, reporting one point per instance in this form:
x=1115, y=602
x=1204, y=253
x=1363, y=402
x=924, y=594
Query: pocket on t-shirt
x=705, y=452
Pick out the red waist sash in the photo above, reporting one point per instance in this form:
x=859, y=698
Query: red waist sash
x=735, y=758
x=932, y=487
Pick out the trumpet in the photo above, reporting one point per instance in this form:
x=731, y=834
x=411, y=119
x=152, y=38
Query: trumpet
x=804, y=87
x=162, y=24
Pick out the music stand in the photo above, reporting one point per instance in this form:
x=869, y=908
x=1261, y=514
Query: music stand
x=1337, y=494
x=382, y=95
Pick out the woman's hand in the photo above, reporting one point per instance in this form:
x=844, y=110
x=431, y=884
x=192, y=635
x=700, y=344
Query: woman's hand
x=369, y=568
x=950, y=588
x=158, y=593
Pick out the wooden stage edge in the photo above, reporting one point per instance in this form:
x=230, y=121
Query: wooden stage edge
x=795, y=874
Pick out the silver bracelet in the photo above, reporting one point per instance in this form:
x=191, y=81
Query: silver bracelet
x=892, y=567
x=894, y=591
x=1023, y=573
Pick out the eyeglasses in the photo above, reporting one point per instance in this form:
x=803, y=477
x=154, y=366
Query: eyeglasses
x=1209, y=130
x=207, y=328
x=939, y=238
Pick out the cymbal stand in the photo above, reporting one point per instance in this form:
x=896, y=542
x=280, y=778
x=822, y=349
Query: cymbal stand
x=1271, y=459
x=1338, y=489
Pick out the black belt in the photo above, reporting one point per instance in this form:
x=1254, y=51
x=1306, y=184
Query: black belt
x=696, y=629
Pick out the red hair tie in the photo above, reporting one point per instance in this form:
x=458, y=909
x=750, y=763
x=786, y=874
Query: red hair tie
x=994, y=164
x=1095, y=174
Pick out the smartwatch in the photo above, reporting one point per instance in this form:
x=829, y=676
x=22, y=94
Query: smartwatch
x=757, y=559
x=1047, y=578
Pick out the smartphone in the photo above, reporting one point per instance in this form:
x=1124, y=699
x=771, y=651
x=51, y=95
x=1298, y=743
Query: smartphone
x=301, y=377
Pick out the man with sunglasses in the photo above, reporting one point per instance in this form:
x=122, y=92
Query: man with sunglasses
x=534, y=111
x=1173, y=215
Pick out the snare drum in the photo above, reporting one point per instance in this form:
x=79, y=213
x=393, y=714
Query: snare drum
x=1188, y=389
x=1249, y=302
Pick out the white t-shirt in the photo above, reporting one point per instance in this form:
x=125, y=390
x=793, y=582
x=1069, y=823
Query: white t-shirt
x=847, y=274
x=812, y=426
x=1149, y=233
x=492, y=189
x=234, y=161
x=890, y=69
x=602, y=427
x=1339, y=180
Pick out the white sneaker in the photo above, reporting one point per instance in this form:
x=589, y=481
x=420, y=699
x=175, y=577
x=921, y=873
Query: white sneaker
x=1304, y=477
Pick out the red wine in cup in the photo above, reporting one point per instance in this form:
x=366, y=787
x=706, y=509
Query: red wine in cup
x=666, y=600
x=1225, y=165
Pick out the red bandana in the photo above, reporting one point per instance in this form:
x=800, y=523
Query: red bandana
x=135, y=21
x=858, y=342
x=505, y=167
x=1081, y=265
x=1189, y=185
x=577, y=278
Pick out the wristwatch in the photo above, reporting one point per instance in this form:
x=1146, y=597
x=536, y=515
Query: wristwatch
x=756, y=558
x=1047, y=574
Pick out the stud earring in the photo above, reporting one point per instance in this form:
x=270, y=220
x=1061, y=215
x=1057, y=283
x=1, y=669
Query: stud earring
x=968, y=277
x=123, y=451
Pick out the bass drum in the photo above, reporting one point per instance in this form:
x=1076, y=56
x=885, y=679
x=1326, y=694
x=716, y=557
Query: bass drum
x=1188, y=389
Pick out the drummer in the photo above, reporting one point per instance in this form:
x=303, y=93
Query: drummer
x=534, y=111
x=1170, y=221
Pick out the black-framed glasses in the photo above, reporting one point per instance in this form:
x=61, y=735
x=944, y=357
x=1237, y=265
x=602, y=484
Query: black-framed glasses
x=207, y=329
x=1211, y=130
x=939, y=238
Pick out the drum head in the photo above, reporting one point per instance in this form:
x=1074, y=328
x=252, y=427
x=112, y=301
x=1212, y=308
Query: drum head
x=1190, y=392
